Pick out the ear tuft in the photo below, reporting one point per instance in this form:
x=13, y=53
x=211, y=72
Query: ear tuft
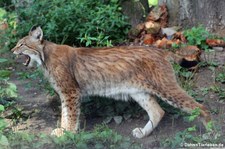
x=36, y=32
x=33, y=28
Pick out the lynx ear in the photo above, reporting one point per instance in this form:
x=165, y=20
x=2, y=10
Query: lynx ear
x=36, y=33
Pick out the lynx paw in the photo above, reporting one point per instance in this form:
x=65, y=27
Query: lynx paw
x=138, y=133
x=58, y=132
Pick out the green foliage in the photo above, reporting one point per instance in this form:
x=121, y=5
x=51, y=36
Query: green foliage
x=210, y=126
x=2, y=108
x=153, y=2
x=5, y=3
x=181, y=138
x=210, y=63
x=182, y=72
x=101, y=40
x=2, y=14
x=191, y=136
x=194, y=114
x=5, y=73
x=175, y=46
x=221, y=77
x=6, y=35
x=101, y=137
x=7, y=89
x=74, y=22
x=218, y=90
x=197, y=36
x=185, y=77
x=37, y=75
x=3, y=139
x=2, y=60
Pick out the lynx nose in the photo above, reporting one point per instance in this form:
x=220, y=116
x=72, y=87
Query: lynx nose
x=13, y=50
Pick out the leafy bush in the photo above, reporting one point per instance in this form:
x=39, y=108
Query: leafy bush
x=7, y=90
x=197, y=36
x=221, y=77
x=74, y=22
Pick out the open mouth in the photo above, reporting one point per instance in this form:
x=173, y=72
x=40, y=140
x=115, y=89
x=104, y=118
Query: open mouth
x=26, y=63
x=23, y=57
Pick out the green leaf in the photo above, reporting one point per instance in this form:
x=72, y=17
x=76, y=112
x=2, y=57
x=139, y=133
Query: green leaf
x=4, y=141
x=5, y=73
x=190, y=129
x=2, y=108
x=2, y=60
x=11, y=90
x=195, y=113
x=209, y=126
x=153, y=2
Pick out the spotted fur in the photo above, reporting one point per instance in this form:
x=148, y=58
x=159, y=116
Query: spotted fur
x=128, y=72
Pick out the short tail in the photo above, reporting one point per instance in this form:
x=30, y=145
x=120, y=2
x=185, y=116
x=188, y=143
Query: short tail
x=178, y=98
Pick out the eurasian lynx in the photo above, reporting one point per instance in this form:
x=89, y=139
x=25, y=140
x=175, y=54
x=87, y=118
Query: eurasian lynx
x=128, y=72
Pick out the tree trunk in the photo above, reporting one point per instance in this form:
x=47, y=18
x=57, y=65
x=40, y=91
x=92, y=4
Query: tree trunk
x=187, y=13
x=136, y=10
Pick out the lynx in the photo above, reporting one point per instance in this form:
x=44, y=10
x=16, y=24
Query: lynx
x=127, y=72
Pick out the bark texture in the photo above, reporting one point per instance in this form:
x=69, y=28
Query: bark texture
x=136, y=10
x=187, y=13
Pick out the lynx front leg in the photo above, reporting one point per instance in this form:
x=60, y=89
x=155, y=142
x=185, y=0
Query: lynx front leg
x=154, y=111
x=70, y=102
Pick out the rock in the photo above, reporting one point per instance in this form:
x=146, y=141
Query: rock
x=169, y=32
x=118, y=119
x=219, y=49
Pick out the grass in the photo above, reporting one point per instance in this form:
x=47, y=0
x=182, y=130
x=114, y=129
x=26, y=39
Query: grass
x=192, y=136
x=38, y=77
x=100, y=138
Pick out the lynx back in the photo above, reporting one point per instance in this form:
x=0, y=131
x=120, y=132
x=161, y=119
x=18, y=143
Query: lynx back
x=128, y=72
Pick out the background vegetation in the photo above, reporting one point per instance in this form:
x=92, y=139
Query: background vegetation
x=87, y=23
x=73, y=22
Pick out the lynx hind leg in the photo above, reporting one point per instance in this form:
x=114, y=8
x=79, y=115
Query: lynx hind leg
x=154, y=111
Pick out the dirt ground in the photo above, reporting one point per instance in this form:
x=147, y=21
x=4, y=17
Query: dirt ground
x=43, y=117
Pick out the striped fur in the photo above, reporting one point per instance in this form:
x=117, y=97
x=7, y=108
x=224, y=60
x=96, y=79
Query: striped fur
x=128, y=72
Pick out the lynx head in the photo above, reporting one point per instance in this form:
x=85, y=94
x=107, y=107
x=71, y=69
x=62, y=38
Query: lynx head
x=31, y=47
